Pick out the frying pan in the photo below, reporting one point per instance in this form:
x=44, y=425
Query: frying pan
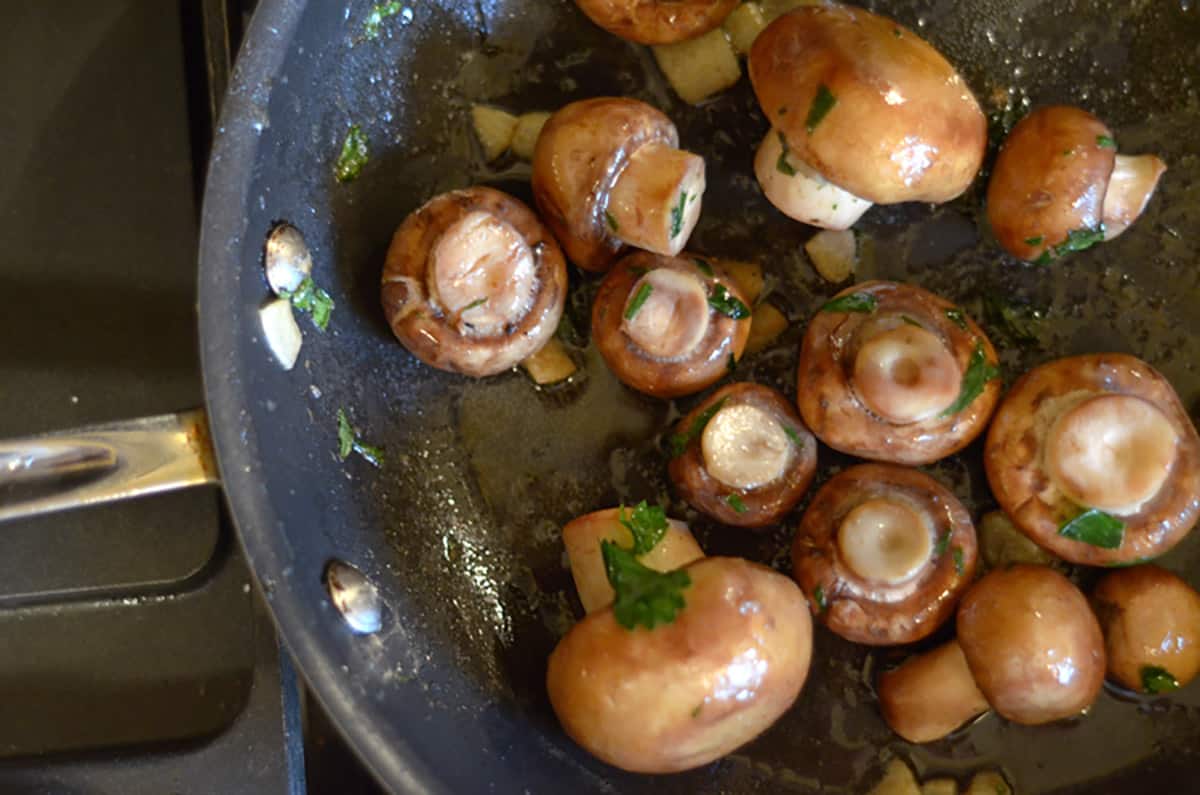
x=458, y=531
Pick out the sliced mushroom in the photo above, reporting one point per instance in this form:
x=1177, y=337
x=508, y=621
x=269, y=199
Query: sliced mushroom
x=473, y=283
x=868, y=106
x=743, y=456
x=892, y=372
x=884, y=553
x=1151, y=623
x=669, y=326
x=685, y=693
x=582, y=536
x=930, y=695
x=1095, y=459
x=1032, y=644
x=657, y=21
x=607, y=173
x=1060, y=186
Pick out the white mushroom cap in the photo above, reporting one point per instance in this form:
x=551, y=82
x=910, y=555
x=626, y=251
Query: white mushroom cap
x=884, y=541
x=667, y=313
x=906, y=374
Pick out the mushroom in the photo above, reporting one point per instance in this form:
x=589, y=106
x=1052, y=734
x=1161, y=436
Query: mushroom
x=657, y=21
x=930, y=695
x=473, y=283
x=1032, y=644
x=892, y=372
x=884, y=553
x=1060, y=186
x=743, y=456
x=862, y=111
x=688, y=692
x=1151, y=623
x=1095, y=459
x=609, y=172
x=669, y=326
x=582, y=536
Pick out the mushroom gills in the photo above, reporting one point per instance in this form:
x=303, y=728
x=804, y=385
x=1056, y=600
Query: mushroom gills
x=883, y=540
x=1112, y=452
x=1133, y=182
x=906, y=374
x=801, y=193
x=655, y=202
x=745, y=447
x=667, y=314
x=483, y=274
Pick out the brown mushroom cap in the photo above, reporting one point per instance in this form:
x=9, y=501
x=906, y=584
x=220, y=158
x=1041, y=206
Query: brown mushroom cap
x=448, y=258
x=657, y=21
x=930, y=695
x=1050, y=179
x=1032, y=644
x=684, y=359
x=766, y=429
x=884, y=553
x=905, y=126
x=856, y=366
x=686, y=693
x=1151, y=623
x=1063, y=412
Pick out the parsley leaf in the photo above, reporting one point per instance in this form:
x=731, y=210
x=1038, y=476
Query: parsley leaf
x=611, y=221
x=735, y=502
x=782, y=165
x=371, y=28
x=1077, y=240
x=957, y=317
x=1035, y=241
x=727, y=303
x=704, y=267
x=939, y=549
x=791, y=434
x=1020, y=322
x=910, y=321
x=639, y=298
x=1106, y=142
x=822, y=103
x=349, y=442
x=476, y=303
x=680, y=441
x=864, y=303
x=647, y=523
x=819, y=598
x=1157, y=680
x=643, y=596
x=677, y=215
x=353, y=155
x=979, y=372
x=310, y=298
x=959, y=565
x=1095, y=527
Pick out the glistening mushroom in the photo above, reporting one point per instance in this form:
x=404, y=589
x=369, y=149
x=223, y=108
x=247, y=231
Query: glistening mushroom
x=657, y=21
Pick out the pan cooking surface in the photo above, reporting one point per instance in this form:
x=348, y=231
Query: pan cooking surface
x=461, y=527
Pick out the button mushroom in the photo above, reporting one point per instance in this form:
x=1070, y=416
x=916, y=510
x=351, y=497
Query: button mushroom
x=862, y=111
x=669, y=326
x=608, y=173
x=884, y=553
x=657, y=21
x=1032, y=644
x=473, y=283
x=685, y=693
x=1059, y=185
x=1151, y=623
x=892, y=372
x=1095, y=459
x=930, y=695
x=743, y=456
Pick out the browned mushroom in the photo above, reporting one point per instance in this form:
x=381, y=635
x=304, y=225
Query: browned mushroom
x=930, y=695
x=743, y=456
x=1094, y=458
x=1032, y=644
x=862, y=110
x=884, y=553
x=1151, y=623
x=685, y=693
x=669, y=326
x=608, y=172
x=1060, y=186
x=657, y=21
x=892, y=372
x=473, y=283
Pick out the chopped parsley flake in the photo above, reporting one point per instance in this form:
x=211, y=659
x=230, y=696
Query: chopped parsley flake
x=782, y=165
x=639, y=299
x=1157, y=680
x=349, y=442
x=959, y=566
x=1106, y=142
x=612, y=222
x=704, y=267
x=353, y=155
x=910, y=321
x=957, y=317
x=823, y=102
x=647, y=523
x=680, y=441
x=819, y=598
x=939, y=549
x=727, y=303
x=1035, y=241
x=979, y=372
x=311, y=299
x=473, y=304
x=796, y=438
x=677, y=215
x=735, y=502
x=1077, y=240
x=863, y=303
x=644, y=597
x=1095, y=527
x=374, y=22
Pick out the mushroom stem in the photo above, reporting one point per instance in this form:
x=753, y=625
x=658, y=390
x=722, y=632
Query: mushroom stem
x=801, y=193
x=930, y=695
x=655, y=202
x=1134, y=180
x=666, y=313
x=884, y=541
x=744, y=447
x=906, y=374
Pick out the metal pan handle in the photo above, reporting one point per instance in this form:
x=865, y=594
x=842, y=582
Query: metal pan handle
x=104, y=463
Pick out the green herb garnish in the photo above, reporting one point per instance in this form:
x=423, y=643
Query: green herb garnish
x=1106, y=142
x=863, y=303
x=473, y=304
x=979, y=372
x=957, y=317
x=704, y=267
x=639, y=298
x=959, y=566
x=735, y=502
x=1035, y=241
x=910, y=321
x=782, y=165
x=796, y=438
x=696, y=711
x=353, y=155
x=612, y=222
x=643, y=596
x=646, y=523
x=1077, y=240
x=677, y=215
x=1021, y=322
x=1095, y=527
x=727, y=303
x=939, y=548
x=1157, y=680
x=349, y=442
x=310, y=298
x=823, y=102
x=680, y=441
x=371, y=28
x=819, y=598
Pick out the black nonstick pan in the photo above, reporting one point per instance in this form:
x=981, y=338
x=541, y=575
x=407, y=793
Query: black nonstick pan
x=459, y=530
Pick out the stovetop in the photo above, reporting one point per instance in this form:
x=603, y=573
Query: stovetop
x=135, y=654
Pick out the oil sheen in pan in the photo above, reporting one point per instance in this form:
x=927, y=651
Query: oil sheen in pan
x=511, y=464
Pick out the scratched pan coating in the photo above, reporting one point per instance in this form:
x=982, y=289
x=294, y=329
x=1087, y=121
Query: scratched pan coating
x=460, y=529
